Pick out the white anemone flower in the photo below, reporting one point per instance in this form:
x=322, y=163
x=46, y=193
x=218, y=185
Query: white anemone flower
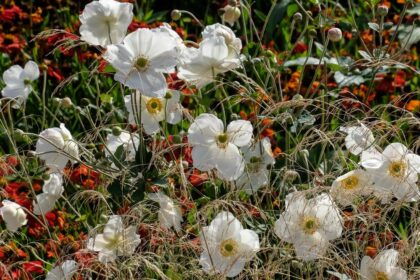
x=18, y=82
x=115, y=241
x=154, y=110
x=51, y=192
x=394, y=171
x=257, y=158
x=169, y=213
x=129, y=141
x=215, y=147
x=105, y=22
x=13, y=215
x=65, y=271
x=56, y=147
x=382, y=267
x=309, y=224
x=227, y=246
x=142, y=59
x=214, y=56
x=233, y=43
x=350, y=186
x=358, y=139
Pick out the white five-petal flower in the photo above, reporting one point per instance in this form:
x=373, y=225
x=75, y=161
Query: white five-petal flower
x=142, y=59
x=351, y=185
x=309, y=224
x=257, y=158
x=213, y=147
x=394, y=171
x=18, y=82
x=382, y=267
x=65, y=271
x=358, y=139
x=169, y=213
x=227, y=246
x=105, y=22
x=115, y=241
x=153, y=110
x=13, y=214
x=56, y=147
x=51, y=192
x=219, y=52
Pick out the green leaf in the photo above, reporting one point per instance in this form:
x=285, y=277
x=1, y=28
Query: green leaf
x=276, y=17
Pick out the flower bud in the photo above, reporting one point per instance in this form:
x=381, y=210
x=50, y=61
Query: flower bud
x=66, y=102
x=335, y=34
x=116, y=131
x=231, y=14
x=176, y=15
x=312, y=33
x=297, y=17
x=382, y=10
x=290, y=176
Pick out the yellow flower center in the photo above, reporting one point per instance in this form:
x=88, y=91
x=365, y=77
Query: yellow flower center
x=350, y=183
x=222, y=140
x=142, y=63
x=397, y=169
x=310, y=224
x=154, y=105
x=228, y=248
x=115, y=241
x=381, y=276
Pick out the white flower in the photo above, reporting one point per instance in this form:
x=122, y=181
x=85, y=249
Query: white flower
x=227, y=246
x=231, y=14
x=154, y=110
x=56, y=147
x=129, y=141
x=64, y=271
x=169, y=213
x=382, y=267
x=115, y=240
x=257, y=158
x=309, y=224
x=351, y=185
x=105, y=22
x=142, y=59
x=51, y=192
x=18, y=82
x=358, y=139
x=395, y=171
x=13, y=214
x=233, y=43
x=213, y=147
x=219, y=52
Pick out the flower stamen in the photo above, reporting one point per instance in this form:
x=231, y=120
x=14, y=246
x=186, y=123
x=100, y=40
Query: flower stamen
x=142, y=63
x=310, y=224
x=397, y=169
x=350, y=183
x=154, y=105
x=228, y=248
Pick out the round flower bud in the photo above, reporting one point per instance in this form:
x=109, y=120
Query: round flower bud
x=176, y=15
x=231, y=14
x=297, y=17
x=116, y=131
x=382, y=10
x=335, y=34
x=312, y=33
x=66, y=102
x=290, y=176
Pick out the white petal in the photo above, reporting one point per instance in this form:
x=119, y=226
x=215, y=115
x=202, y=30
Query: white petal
x=44, y=203
x=31, y=71
x=203, y=157
x=13, y=76
x=205, y=129
x=229, y=162
x=395, y=151
x=120, y=58
x=240, y=132
x=367, y=268
x=371, y=159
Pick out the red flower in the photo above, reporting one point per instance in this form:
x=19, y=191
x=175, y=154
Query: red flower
x=8, y=15
x=399, y=79
x=84, y=176
x=33, y=267
x=10, y=43
x=197, y=178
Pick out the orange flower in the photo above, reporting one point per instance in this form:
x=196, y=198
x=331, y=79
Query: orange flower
x=413, y=105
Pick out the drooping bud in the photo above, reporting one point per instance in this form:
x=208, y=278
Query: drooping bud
x=297, y=17
x=382, y=10
x=176, y=15
x=231, y=14
x=335, y=34
x=116, y=131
